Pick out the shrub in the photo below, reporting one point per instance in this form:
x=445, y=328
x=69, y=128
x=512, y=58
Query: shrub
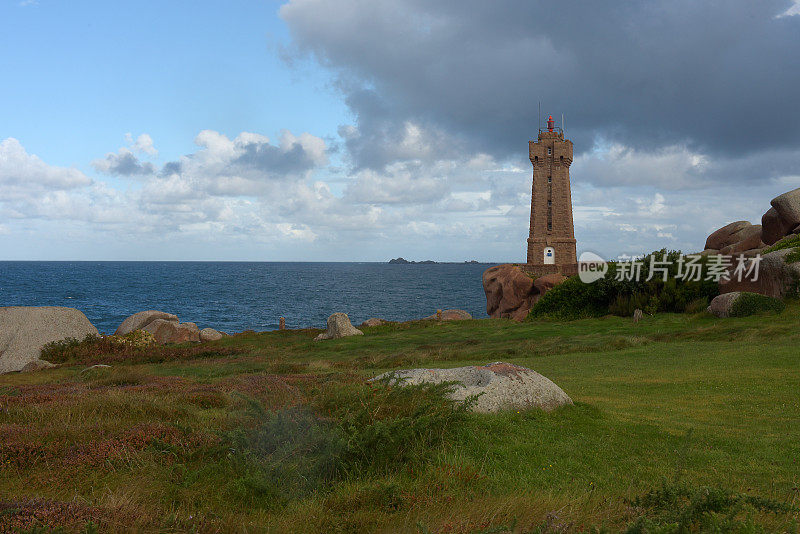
x=793, y=256
x=678, y=508
x=574, y=299
x=390, y=427
x=352, y=430
x=752, y=303
x=295, y=451
x=625, y=305
x=698, y=305
x=137, y=338
x=791, y=241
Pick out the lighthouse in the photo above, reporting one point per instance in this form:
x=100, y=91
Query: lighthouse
x=551, y=240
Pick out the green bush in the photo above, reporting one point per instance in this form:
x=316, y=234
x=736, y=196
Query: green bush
x=752, y=303
x=350, y=431
x=677, y=508
x=790, y=241
x=574, y=299
x=698, y=305
x=793, y=256
x=291, y=453
x=390, y=427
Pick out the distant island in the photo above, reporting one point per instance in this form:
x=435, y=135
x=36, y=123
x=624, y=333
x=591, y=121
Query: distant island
x=403, y=261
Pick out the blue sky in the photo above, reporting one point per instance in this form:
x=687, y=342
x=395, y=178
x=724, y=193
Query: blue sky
x=79, y=75
x=360, y=130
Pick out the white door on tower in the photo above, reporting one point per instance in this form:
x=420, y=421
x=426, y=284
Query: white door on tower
x=549, y=256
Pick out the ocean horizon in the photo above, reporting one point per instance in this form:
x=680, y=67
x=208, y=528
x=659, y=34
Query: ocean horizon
x=234, y=296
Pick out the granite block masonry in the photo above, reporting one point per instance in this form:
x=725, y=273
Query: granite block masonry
x=551, y=241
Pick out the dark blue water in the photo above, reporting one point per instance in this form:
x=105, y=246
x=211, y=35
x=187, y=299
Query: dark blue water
x=232, y=296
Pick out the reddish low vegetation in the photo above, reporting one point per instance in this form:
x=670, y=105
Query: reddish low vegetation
x=107, y=350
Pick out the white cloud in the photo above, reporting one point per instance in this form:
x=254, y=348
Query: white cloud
x=20, y=171
x=674, y=167
x=246, y=192
x=792, y=11
x=142, y=144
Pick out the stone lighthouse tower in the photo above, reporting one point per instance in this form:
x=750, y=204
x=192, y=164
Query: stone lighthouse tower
x=551, y=242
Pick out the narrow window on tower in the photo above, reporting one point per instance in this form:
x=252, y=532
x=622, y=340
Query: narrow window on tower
x=549, y=179
x=549, y=151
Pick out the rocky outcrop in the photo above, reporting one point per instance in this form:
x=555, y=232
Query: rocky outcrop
x=782, y=218
x=773, y=227
x=339, y=326
x=450, y=315
x=166, y=328
x=545, y=283
x=209, y=334
x=25, y=330
x=166, y=331
x=374, y=321
x=139, y=320
x=776, y=278
x=499, y=386
x=726, y=235
x=736, y=238
x=510, y=293
x=741, y=237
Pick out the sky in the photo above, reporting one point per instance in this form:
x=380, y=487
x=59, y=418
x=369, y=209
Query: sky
x=363, y=130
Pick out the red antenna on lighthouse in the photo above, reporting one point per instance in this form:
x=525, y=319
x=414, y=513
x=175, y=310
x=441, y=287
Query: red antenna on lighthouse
x=550, y=123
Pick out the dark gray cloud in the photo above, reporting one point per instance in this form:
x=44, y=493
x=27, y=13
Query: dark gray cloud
x=171, y=167
x=123, y=163
x=278, y=161
x=719, y=77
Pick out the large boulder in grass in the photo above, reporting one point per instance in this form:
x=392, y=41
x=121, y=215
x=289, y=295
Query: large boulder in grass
x=139, y=320
x=721, y=304
x=776, y=277
x=743, y=304
x=510, y=293
x=209, y=334
x=339, y=326
x=373, y=321
x=450, y=315
x=498, y=386
x=167, y=331
x=25, y=330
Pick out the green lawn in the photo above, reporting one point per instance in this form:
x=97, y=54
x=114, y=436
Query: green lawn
x=189, y=440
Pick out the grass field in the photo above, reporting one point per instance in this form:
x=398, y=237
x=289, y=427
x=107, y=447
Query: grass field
x=679, y=422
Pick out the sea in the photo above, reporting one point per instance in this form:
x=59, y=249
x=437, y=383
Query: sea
x=238, y=296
